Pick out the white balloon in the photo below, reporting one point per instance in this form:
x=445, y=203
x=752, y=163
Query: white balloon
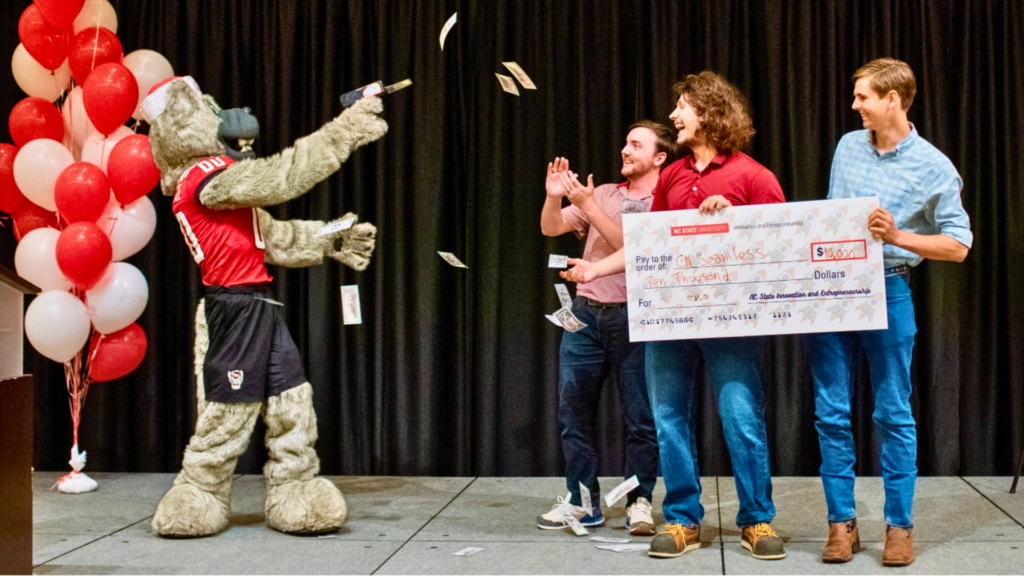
x=118, y=299
x=36, y=168
x=149, y=68
x=129, y=227
x=57, y=325
x=35, y=80
x=35, y=259
x=97, y=147
x=96, y=13
x=76, y=121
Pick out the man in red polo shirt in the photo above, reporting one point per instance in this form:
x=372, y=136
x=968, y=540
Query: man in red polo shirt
x=714, y=124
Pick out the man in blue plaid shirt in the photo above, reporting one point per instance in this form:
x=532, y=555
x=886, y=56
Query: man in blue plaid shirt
x=920, y=216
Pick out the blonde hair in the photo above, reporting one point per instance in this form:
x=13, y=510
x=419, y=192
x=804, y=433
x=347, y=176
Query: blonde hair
x=887, y=75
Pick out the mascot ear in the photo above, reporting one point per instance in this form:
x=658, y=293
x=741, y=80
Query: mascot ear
x=182, y=101
x=183, y=134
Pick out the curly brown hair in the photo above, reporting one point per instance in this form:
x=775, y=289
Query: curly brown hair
x=723, y=110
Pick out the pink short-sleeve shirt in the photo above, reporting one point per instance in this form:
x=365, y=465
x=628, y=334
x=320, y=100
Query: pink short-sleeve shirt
x=609, y=198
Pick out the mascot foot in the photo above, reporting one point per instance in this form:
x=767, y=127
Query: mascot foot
x=312, y=506
x=187, y=511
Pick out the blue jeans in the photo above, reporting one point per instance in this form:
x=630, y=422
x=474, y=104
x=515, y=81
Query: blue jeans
x=733, y=370
x=585, y=359
x=889, y=353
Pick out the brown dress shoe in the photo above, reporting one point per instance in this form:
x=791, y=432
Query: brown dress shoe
x=843, y=541
x=899, y=547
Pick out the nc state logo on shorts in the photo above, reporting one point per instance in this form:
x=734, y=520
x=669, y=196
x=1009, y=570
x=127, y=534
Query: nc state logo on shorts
x=235, y=377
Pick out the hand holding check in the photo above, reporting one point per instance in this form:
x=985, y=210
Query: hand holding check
x=882, y=226
x=713, y=204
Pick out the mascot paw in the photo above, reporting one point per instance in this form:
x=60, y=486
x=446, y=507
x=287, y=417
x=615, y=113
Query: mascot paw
x=306, y=507
x=354, y=246
x=186, y=511
x=362, y=122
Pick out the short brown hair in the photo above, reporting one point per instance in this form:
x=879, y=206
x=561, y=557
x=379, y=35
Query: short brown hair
x=725, y=115
x=664, y=139
x=887, y=75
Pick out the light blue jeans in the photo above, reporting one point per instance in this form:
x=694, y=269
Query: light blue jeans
x=889, y=353
x=733, y=370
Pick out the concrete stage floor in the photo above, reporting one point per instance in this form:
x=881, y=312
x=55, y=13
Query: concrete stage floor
x=413, y=525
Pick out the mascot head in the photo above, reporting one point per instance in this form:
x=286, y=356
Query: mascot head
x=186, y=127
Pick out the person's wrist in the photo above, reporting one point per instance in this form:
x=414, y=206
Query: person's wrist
x=898, y=238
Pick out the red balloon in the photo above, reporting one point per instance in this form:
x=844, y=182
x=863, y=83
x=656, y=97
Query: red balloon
x=81, y=192
x=131, y=169
x=11, y=198
x=83, y=254
x=92, y=48
x=34, y=118
x=60, y=13
x=110, y=95
x=43, y=42
x=30, y=217
x=117, y=354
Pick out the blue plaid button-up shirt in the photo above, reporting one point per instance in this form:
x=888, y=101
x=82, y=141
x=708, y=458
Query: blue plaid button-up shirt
x=916, y=183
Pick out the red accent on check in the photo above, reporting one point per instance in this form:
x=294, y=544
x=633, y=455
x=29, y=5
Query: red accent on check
x=700, y=229
x=839, y=250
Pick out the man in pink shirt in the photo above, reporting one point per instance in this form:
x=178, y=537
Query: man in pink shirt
x=603, y=347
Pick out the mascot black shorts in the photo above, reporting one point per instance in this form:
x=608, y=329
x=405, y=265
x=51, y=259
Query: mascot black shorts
x=251, y=354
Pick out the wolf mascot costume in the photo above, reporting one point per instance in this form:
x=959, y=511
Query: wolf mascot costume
x=245, y=360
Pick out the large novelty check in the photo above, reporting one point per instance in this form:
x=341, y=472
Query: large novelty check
x=754, y=270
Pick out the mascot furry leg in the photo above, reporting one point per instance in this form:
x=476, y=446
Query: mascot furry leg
x=219, y=204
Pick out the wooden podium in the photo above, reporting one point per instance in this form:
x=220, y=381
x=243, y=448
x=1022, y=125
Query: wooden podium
x=16, y=392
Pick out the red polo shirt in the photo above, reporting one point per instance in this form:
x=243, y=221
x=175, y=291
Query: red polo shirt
x=737, y=177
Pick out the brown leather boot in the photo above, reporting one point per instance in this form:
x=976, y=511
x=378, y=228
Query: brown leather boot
x=674, y=540
x=899, y=547
x=843, y=541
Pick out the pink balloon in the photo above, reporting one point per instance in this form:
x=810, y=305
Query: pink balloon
x=110, y=95
x=57, y=325
x=150, y=68
x=97, y=147
x=129, y=227
x=36, y=168
x=35, y=80
x=76, y=121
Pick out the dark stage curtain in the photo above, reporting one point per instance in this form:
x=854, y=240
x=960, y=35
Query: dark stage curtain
x=454, y=372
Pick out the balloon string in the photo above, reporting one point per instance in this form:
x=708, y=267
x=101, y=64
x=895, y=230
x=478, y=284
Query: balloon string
x=96, y=40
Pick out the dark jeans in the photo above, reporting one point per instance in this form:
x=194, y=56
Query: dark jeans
x=732, y=368
x=889, y=353
x=585, y=360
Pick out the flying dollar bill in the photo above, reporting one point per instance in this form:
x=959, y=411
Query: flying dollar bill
x=520, y=75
